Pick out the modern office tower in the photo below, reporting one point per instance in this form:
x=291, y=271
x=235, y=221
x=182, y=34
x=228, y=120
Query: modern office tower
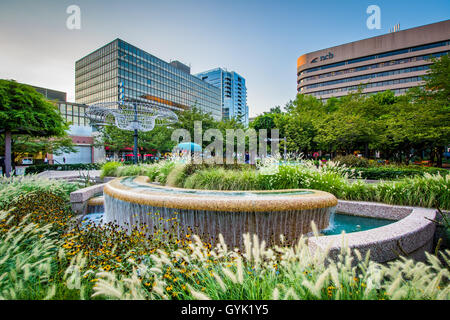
x=233, y=92
x=145, y=78
x=395, y=61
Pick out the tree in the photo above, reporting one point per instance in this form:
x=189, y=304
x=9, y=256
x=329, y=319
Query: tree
x=25, y=111
x=26, y=144
x=117, y=139
x=431, y=110
x=187, y=119
x=298, y=123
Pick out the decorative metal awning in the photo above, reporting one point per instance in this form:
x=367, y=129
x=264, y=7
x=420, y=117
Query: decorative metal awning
x=131, y=116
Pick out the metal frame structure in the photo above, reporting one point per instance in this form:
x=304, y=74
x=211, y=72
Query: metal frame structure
x=131, y=116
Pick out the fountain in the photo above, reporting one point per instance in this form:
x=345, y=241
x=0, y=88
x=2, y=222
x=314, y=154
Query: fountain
x=134, y=201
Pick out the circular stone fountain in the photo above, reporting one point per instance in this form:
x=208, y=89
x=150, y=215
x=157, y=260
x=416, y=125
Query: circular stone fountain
x=134, y=201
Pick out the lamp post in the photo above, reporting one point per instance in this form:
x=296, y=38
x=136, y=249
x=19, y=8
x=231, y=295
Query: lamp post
x=135, y=135
x=132, y=116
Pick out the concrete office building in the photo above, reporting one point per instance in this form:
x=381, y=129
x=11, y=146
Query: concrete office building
x=395, y=61
x=145, y=78
x=233, y=92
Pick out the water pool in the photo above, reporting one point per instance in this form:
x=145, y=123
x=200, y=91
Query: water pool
x=343, y=222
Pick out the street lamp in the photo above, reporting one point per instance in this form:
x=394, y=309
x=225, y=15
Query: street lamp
x=132, y=116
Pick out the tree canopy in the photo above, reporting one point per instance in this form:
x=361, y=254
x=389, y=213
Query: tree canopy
x=24, y=111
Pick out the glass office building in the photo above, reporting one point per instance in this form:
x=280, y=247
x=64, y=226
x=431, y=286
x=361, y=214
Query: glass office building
x=144, y=78
x=233, y=92
x=395, y=61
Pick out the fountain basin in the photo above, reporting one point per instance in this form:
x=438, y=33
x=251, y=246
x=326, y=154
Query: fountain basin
x=134, y=201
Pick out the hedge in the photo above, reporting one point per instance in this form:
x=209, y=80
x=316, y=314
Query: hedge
x=62, y=167
x=392, y=173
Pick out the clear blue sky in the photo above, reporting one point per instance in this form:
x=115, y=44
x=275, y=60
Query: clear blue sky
x=259, y=39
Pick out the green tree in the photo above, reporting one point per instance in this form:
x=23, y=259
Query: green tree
x=298, y=124
x=432, y=109
x=26, y=144
x=25, y=111
x=117, y=139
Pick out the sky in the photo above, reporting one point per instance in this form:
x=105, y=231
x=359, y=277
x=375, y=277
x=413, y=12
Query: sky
x=261, y=40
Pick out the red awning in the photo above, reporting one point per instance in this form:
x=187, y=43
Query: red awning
x=129, y=155
x=148, y=155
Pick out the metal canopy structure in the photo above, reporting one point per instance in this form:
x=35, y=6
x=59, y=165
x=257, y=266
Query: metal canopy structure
x=132, y=116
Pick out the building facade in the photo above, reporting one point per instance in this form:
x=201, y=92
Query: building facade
x=50, y=94
x=144, y=78
x=395, y=61
x=233, y=92
x=81, y=133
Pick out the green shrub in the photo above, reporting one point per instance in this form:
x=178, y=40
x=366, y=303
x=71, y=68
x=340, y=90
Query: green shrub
x=396, y=172
x=165, y=167
x=223, y=179
x=352, y=161
x=109, y=169
x=177, y=176
x=131, y=170
x=33, y=169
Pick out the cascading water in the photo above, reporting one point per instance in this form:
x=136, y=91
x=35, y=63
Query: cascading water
x=134, y=202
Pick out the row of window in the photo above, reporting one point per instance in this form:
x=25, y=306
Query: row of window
x=367, y=76
x=367, y=85
x=155, y=80
x=97, y=54
x=164, y=91
x=163, y=74
x=101, y=65
x=379, y=56
x=88, y=78
x=395, y=91
x=374, y=66
x=74, y=114
x=143, y=60
x=99, y=96
x=100, y=83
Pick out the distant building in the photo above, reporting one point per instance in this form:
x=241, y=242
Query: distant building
x=144, y=78
x=51, y=94
x=81, y=133
x=233, y=92
x=396, y=61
